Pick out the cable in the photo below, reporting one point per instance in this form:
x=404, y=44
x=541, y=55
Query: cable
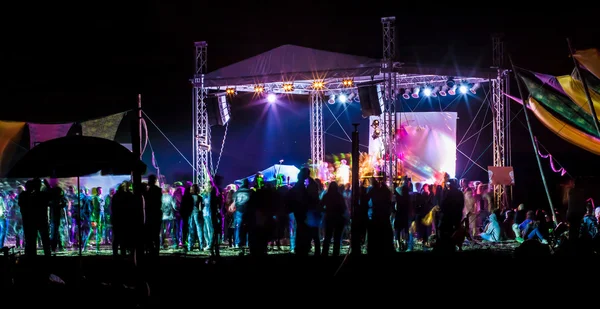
x=170, y=142
x=221, y=151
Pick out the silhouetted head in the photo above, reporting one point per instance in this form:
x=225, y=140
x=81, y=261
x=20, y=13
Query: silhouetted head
x=303, y=174
x=333, y=187
x=152, y=180
x=245, y=183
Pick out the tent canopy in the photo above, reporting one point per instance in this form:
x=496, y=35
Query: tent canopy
x=297, y=63
x=291, y=62
x=270, y=173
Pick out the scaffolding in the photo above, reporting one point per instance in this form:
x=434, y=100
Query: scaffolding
x=501, y=112
x=317, y=145
x=201, y=137
x=388, y=118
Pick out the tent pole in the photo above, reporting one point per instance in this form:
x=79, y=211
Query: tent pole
x=586, y=89
x=535, y=148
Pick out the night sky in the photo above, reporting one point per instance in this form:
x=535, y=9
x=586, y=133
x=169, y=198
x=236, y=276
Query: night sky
x=73, y=63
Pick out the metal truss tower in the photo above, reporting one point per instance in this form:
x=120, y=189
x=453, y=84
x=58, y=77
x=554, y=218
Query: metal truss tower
x=317, y=144
x=501, y=113
x=201, y=134
x=388, y=118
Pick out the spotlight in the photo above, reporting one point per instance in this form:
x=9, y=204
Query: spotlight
x=347, y=83
x=463, y=89
x=376, y=133
x=375, y=123
x=331, y=99
x=259, y=89
x=230, y=91
x=434, y=92
x=318, y=85
x=474, y=88
x=444, y=90
x=288, y=87
x=351, y=97
x=452, y=90
x=271, y=98
x=427, y=91
x=343, y=98
x=406, y=94
x=415, y=92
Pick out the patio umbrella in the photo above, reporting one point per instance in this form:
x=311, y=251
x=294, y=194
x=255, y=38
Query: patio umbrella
x=76, y=156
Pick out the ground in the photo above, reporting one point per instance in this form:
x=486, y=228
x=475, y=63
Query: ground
x=500, y=247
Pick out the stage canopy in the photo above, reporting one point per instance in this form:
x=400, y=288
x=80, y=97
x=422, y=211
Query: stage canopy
x=294, y=63
x=270, y=173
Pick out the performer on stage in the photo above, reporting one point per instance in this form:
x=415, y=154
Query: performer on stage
x=343, y=173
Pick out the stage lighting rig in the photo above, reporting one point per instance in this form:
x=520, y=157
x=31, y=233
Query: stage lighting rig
x=288, y=87
x=406, y=94
x=259, y=89
x=474, y=88
x=318, y=85
x=415, y=92
x=347, y=83
x=376, y=130
x=427, y=91
x=444, y=91
x=452, y=90
x=230, y=91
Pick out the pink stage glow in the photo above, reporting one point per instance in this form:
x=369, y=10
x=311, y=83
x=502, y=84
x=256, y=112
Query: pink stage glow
x=425, y=145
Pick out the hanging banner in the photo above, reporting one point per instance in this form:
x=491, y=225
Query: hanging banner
x=10, y=134
x=39, y=133
x=501, y=175
x=105, y=127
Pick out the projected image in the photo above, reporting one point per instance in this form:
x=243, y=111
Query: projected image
x=425, y=145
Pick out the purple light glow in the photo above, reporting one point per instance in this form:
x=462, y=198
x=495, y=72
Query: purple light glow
x=271, y=98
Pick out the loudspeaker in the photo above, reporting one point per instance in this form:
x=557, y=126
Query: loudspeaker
x=212, y=109
x=369, y=100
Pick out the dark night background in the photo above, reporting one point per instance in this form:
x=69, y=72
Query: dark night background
x=74, y=63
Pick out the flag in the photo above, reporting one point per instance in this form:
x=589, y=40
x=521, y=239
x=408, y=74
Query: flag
x=10, y=134
x=39, y=133
x=562, y=96
x=564, y=130
x=105, y=127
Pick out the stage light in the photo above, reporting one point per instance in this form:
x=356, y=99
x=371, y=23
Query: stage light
x=452, y=90
x=444, y=90
x=331, y=99
x=259, y=89
x=318, y=85
x=415, y=92
x=346, y=83
x=288, y=87
x=406, y=94
x=427, y=91
x=342, y=98
x=375, y=123
x=463, y=89
x=230, y=91
x=474, y=88
x=376, y=133
x=271, y=98
x=434, y=92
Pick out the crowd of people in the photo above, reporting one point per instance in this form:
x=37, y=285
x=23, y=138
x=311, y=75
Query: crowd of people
x=308, y=216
